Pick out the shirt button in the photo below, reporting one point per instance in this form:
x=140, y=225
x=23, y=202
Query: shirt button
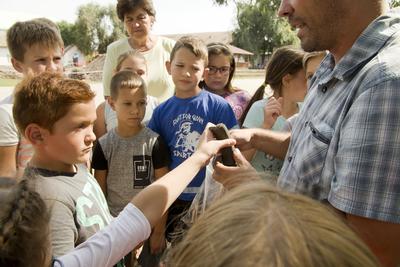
x=324, y=89
x=290, y=159
x=306, y=123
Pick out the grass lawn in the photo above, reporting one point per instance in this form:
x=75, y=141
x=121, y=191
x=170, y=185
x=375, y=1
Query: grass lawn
x=8, y=82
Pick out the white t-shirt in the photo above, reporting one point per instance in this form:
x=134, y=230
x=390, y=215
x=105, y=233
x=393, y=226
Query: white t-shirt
x=9, y=134
x=108, y=246
x=110, y=116
x=159, y=82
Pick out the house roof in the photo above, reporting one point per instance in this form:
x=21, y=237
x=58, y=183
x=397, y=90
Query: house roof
x=3, y=38
x=209, y=37
x=240, y=51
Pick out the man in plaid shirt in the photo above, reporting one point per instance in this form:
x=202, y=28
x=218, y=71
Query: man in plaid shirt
x=345, y=145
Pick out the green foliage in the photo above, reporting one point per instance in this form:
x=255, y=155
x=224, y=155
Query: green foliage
x=67, y=32
x=395, y=3
x=258, y=27
x=95, y=28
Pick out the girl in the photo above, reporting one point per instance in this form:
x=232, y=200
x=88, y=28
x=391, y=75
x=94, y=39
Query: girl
x=106, y=117
x=218, y=78
x=258, y=225
x=24, y=230
x=286, y=78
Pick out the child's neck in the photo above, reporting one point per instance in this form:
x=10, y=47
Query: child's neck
x=219, y=92
x=43, y=162
x=128, y=131
x=187, y=94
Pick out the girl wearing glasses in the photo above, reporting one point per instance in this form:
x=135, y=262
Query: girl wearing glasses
x=218, y=78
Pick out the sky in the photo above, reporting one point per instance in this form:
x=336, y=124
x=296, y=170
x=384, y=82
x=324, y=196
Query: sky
x=173, y=16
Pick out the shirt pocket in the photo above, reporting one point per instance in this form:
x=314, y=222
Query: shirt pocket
x=311, y=154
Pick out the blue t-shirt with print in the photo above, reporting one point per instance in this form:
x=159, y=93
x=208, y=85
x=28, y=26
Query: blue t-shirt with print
x=181, y=121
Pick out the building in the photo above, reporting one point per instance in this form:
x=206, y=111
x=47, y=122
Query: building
x=73, y=57
x=242, y=57
x=5, y=58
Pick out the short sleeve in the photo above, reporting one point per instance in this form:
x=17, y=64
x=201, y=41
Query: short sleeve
x=160, y=154
x=99, y=161
x=62, y=228
x=227, y=116
x=153, y=123
x=8, y=131
x=255, y=116
x=367, y=178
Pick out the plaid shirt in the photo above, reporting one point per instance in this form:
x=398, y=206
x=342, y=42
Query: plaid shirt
x=345, y=145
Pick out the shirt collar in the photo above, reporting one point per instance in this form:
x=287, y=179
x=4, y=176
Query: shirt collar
x=368, y=44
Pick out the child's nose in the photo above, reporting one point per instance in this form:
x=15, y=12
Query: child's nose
x=90, y=137
x=51, y=66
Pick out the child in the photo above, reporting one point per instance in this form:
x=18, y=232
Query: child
x=106, y=118
x=56, y=116
x=131, y=156
x=286, y=77
x=218, y=78
x=258, y=225
x=24, y=218
x=182, y=118
x=35, y=46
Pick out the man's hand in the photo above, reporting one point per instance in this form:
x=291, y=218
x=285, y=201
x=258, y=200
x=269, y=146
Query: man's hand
x=231, y=177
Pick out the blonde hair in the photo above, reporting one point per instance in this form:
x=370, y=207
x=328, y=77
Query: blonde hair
x=259, y=225
x=311, y=55
x=126, y=79
x=46, y=98
x=130, y=53
x=194, y=44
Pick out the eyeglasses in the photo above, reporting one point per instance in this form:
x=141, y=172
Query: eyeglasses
x=224, y=70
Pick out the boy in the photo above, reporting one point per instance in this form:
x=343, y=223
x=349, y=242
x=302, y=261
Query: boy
x=35, y=46
x=181, y=119
x=56, y=116
x=130, y=156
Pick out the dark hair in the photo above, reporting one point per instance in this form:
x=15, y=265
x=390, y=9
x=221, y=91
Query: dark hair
x=216, y=49
x=23, y=35
x=127, y=6
x=194, y=44
x=285, y=60
x=126, y=79
x=24, y=230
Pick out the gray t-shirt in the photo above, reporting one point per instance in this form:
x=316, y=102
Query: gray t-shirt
x=78, y=206
x=130, y=164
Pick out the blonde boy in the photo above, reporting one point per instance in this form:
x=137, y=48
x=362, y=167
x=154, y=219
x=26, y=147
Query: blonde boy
x=56, y=116
x=35, y=46
x=181, y=119
x=131, y=156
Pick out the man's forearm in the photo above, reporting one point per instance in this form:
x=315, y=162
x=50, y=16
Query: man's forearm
x=271, y=142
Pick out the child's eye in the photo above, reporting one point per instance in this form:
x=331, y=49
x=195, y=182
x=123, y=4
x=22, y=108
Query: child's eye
x=142, y=103
x=127, y=103
x=179, y=65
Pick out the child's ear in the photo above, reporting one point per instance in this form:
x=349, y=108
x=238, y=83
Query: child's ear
x=286, y=79
x=35, y=134
x=17, y=65
x=168, y=66
x=111, y=103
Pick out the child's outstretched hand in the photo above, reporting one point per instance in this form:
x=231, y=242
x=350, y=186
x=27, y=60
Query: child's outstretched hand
x=208, y=147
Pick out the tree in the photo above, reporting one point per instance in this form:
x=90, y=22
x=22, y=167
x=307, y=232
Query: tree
x=259, y=29
x=67, y=32
x=395, y=3
x=95, y=28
